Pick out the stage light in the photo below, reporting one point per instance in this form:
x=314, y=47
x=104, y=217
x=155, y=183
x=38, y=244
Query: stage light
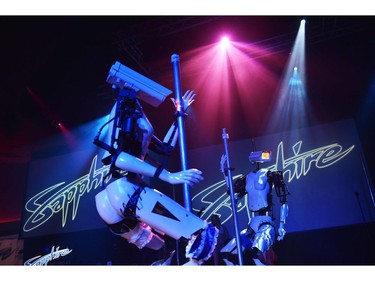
x=293, y=110
x=224, y=43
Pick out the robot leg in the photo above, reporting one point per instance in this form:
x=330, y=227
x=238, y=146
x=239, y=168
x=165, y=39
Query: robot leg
x=229, y=251
x=156, y=210
x=166, y=215
x=264, y=238
x=135, y=232
x=262, y=252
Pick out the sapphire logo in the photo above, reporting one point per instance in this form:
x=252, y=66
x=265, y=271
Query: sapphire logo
x=44, y=260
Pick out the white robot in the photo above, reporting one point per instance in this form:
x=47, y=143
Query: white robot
x=260, y=234
x=131, y=208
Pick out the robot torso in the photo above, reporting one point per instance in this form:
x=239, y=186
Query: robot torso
x=257, y=188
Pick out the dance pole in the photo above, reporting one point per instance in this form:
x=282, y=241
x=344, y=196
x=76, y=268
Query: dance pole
x=180, y=115
x=233, y=202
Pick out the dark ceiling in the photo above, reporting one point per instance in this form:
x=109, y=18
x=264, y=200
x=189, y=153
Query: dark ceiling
x=64, y=60
x=53, y=68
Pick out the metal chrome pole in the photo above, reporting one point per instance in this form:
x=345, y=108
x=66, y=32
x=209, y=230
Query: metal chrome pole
x=180, y=115
x=232, y=199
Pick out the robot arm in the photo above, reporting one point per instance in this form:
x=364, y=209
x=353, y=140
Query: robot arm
x=284, y=209
x=239, y=183
x=133, y=164
x=172, y=134
x=277, y=179
x=166, y=146
x=223, y=170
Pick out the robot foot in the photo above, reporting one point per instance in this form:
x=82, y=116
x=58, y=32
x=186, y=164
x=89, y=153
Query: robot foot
x=200, y=247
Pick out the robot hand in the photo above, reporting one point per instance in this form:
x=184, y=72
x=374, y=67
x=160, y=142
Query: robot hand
x=222, y=163
x=187, y=99
x=282, y=232
x=190, y=177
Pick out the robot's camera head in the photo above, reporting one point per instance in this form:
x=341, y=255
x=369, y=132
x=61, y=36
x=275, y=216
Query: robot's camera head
x=120, y=76
x=260, y=156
